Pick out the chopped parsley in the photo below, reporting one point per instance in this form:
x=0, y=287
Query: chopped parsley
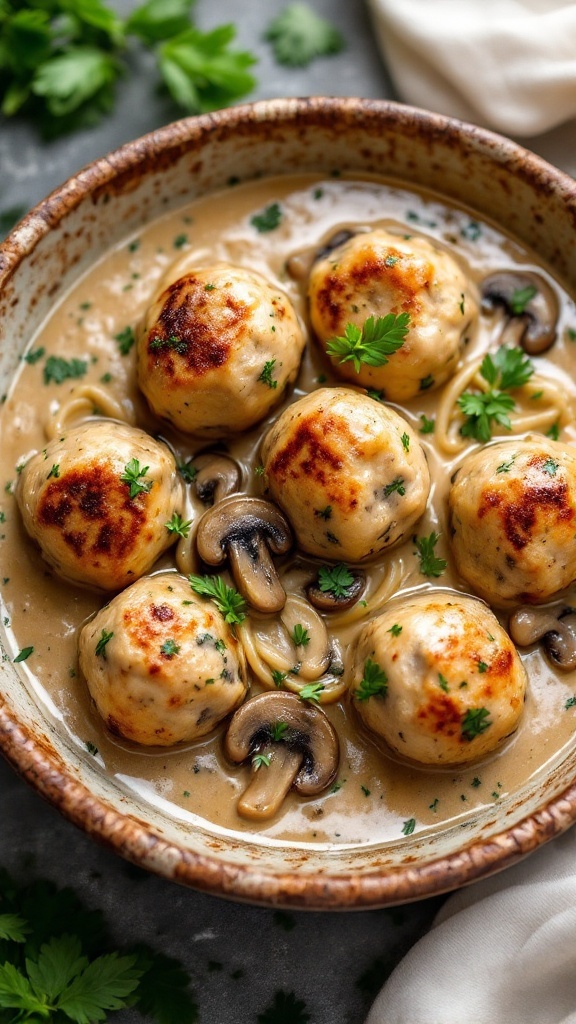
x=278, y=677
x=135, y=475
x=324, y=513
x=570, y=703
x=278, y=731
x=300, y=636
x=335, y=580
x=430, y=565
x=105, y=638
x=23, y=655
x=426, y=426
x=187, y=471
x=266, y=375
x=178, y=525
x=443, y=683
x=372, y=343
x=520, y=299
x=268, y=219
x=550, y=467
x=405, y=442
x=475, y=722
x=260, y=761
x=408, y=827
x=57, y=370
x=54, y=472
x=228, y=601
x=311, y=692
x=169, y=648
x=125, y=340
x=34, y=356
x=395, y=629
x=374, y=682
x=396, y=485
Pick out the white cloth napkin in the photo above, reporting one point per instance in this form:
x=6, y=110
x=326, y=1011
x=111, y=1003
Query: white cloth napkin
x=509, y=65
x=502, y=951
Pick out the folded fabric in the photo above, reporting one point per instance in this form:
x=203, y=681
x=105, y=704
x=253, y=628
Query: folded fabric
x=502, y=951
x=509, y=65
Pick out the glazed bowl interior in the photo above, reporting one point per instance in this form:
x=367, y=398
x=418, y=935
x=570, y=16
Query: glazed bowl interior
x=94, y=211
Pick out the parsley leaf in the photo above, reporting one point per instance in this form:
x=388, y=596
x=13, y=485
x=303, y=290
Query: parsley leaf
x=227, y=600
x=201, y=73
x=57, y=370
x=508, y=368
x=372, y=343
x=430, y=565
x=100, y=649
x=23, y=655
x=298, y=35
x=335, y=580
x=169, y=648
x=266, y=375
x=135, y=475
x=178, y=525
x=311, y=691
x=374, y=681
x=300, y=635
x=284, y=1009
x=474, y=722
x=125, y=339
x=267, y=220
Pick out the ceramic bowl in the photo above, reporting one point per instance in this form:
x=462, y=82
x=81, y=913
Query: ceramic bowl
x=46, y=253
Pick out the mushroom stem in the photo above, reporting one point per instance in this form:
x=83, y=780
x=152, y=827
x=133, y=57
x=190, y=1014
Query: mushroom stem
x=270, y=783
x=255, y=575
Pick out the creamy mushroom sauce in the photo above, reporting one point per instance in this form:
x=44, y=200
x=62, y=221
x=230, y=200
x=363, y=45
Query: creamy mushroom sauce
x=373, y=797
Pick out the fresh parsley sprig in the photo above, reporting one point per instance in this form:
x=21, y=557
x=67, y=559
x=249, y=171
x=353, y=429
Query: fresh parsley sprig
x=507, y=369
x=135, y=475
x=374, y=682
x=57, y=964
x=430, y=565
x=372, y=343
x=299, y=35
x=336, y=579
x=61, y=61
x=227, y=600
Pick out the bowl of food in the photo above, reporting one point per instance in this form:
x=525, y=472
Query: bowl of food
x=289, y=502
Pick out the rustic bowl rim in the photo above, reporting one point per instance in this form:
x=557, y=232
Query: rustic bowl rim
x=43, y=768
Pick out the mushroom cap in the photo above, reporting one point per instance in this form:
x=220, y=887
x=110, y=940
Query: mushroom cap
x=308, y=731
x=555, y=627
x=327, y=601
x=538, y=315
x=246, y=530
x=218, y=476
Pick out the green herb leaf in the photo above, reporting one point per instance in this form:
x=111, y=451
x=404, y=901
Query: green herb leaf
x=135, y=475
x=311, y=692
x=508, y=368
x=125, y=339
x=430, y=565
x=169, y=648
x=372, y=343
x=408, y=827
x=396, y=485
x=13, y=927
x=268, y=219
x=158, y=20
x=298, y=36
x=23, y=655
x=278, y=731
x=260, y=761
x=100, y=649
x=426, y=426
x=227, y=600
x=336, y=579
x=374, y=682
x=474, y=722
x=178, y=526
x=57, y=370
x=200, y=70
x=300, y=636
x=266, y=375
x=520, y=299
x=103, y=985
x=70, y=79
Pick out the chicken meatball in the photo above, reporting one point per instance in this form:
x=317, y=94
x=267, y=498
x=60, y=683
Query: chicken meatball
x=438, y=679
x=97, y=501
x=375, y=273
x=162, y=666
x=513, y=520
x=349, y=473
x=217, y=349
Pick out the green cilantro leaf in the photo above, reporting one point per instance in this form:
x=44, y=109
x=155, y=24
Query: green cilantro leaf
x=298, y=35
x=135, y=475
x=430, y=565
x=372, y=343
x=227, y=600
x=284, y=1009
x=374, y=682
x=336, y=579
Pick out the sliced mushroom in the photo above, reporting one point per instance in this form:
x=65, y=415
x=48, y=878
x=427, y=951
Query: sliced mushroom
x=218, y=476
x=299, y=264
x=556, y=628
x=293, y=744
x=327, y=600
x=247, y=530
x=530, y=304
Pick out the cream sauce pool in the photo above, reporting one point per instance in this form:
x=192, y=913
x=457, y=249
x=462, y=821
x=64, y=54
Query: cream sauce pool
x=374, y=799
